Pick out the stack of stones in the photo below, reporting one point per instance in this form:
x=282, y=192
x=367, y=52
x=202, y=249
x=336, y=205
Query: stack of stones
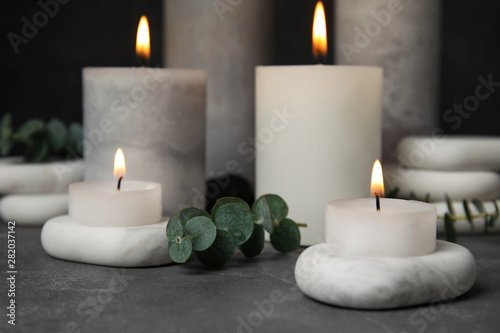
x=461, y=167
x=32, y=193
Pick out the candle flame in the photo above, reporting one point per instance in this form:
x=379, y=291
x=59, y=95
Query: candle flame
x=120, y=169
x=377, y=185
x=320, y=44
x=142, y=47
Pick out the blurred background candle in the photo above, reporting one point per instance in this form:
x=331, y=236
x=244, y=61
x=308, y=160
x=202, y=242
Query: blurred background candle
x=227, y=39
x=158, y=117
x=318, y=132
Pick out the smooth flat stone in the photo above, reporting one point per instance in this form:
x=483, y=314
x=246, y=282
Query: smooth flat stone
x=459, y=185
x=450, y=153
x=385, y=283
x=17, y=177
x=33, y=209
x=463, y=226
x=119, y=246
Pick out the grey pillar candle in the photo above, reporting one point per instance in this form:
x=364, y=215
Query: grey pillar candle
x=157, y=116
x=227, y=39
x=404, y=38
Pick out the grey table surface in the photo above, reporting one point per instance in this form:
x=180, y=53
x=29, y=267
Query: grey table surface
x=258, y=295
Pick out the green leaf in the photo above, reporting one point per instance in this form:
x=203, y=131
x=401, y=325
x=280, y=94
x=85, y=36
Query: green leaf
x=494, y=218
x=38, y=150
x=75, y=137
x=286, y=237
x=6, y=131
x=412, y=196
x=28, y=129
x=480, y=207
x=254, y=245
x=202, y=232
x=6, y=148
x=181, y=251
x=57, y=134
x=174, y=230
x=188, y=213
x=427, y=198
x=220, y=252
x=235, y=219
x=449, y=228
x=449, y=204
x=227, y=200
x=262, y=214
x=278, y=207
x=468, y=214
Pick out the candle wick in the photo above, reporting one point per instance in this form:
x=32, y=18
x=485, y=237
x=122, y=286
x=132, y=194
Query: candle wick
x=377, y=201
x=143, y=61
x=119, y=183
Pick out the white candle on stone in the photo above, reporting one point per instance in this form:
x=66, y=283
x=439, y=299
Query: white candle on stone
x=318, y=131
x=401, y=228
x=156, y=115
x=102, y=204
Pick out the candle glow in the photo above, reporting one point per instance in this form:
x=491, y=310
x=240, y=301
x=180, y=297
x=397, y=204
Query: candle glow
x=377, y=184
x=319, y=41
x=120, y=168
x=142, y=46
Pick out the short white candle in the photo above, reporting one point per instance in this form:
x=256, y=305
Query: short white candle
x=120, y=204
x=401, y=228
x=99, y=204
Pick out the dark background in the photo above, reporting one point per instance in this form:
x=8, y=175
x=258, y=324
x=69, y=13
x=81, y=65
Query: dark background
x=44, y=78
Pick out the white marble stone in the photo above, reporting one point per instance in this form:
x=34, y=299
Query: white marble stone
x=33, y=209
x=17, y=176
x=458, y=185
x=404, y=38
x=384, y=283
x=450, y=153
x=462, y=225
x=109, y=246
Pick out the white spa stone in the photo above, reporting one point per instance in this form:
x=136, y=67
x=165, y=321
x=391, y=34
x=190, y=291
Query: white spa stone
x=114, y=246
x=452, y=153
x=33, y=209
x=384, y=283
x=17, y=176
x=459, y=185
x=462, y=225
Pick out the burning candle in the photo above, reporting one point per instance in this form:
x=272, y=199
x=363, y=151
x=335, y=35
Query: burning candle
x=156, y=115
x=318, y=131
x=399, y=228
x=115, y=204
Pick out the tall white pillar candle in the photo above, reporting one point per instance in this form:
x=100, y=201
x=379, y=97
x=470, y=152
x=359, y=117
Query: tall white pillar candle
x=404, y=38
x=227, y=39
x=318, y=132
x=157, y=116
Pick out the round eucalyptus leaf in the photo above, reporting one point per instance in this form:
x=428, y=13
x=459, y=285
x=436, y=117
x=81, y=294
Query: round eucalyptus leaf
x=286, y=236
x=181, y=251
x=220, y=252
x=262, y=214
x=29, y=128
x=5, y=129
x=74, y=136
x=254, y=245
x=227, y=200
x=174, y=229
x=57, y=132
x=38, y=150
x=278, y=207
x=188, y=213
x=202, y=232
x=235, y=219
x=6, y=148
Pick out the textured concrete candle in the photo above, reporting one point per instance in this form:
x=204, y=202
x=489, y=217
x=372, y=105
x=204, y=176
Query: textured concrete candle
x=320, y=131
x=158, y=117
x=227, y=39
x=403, y=38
